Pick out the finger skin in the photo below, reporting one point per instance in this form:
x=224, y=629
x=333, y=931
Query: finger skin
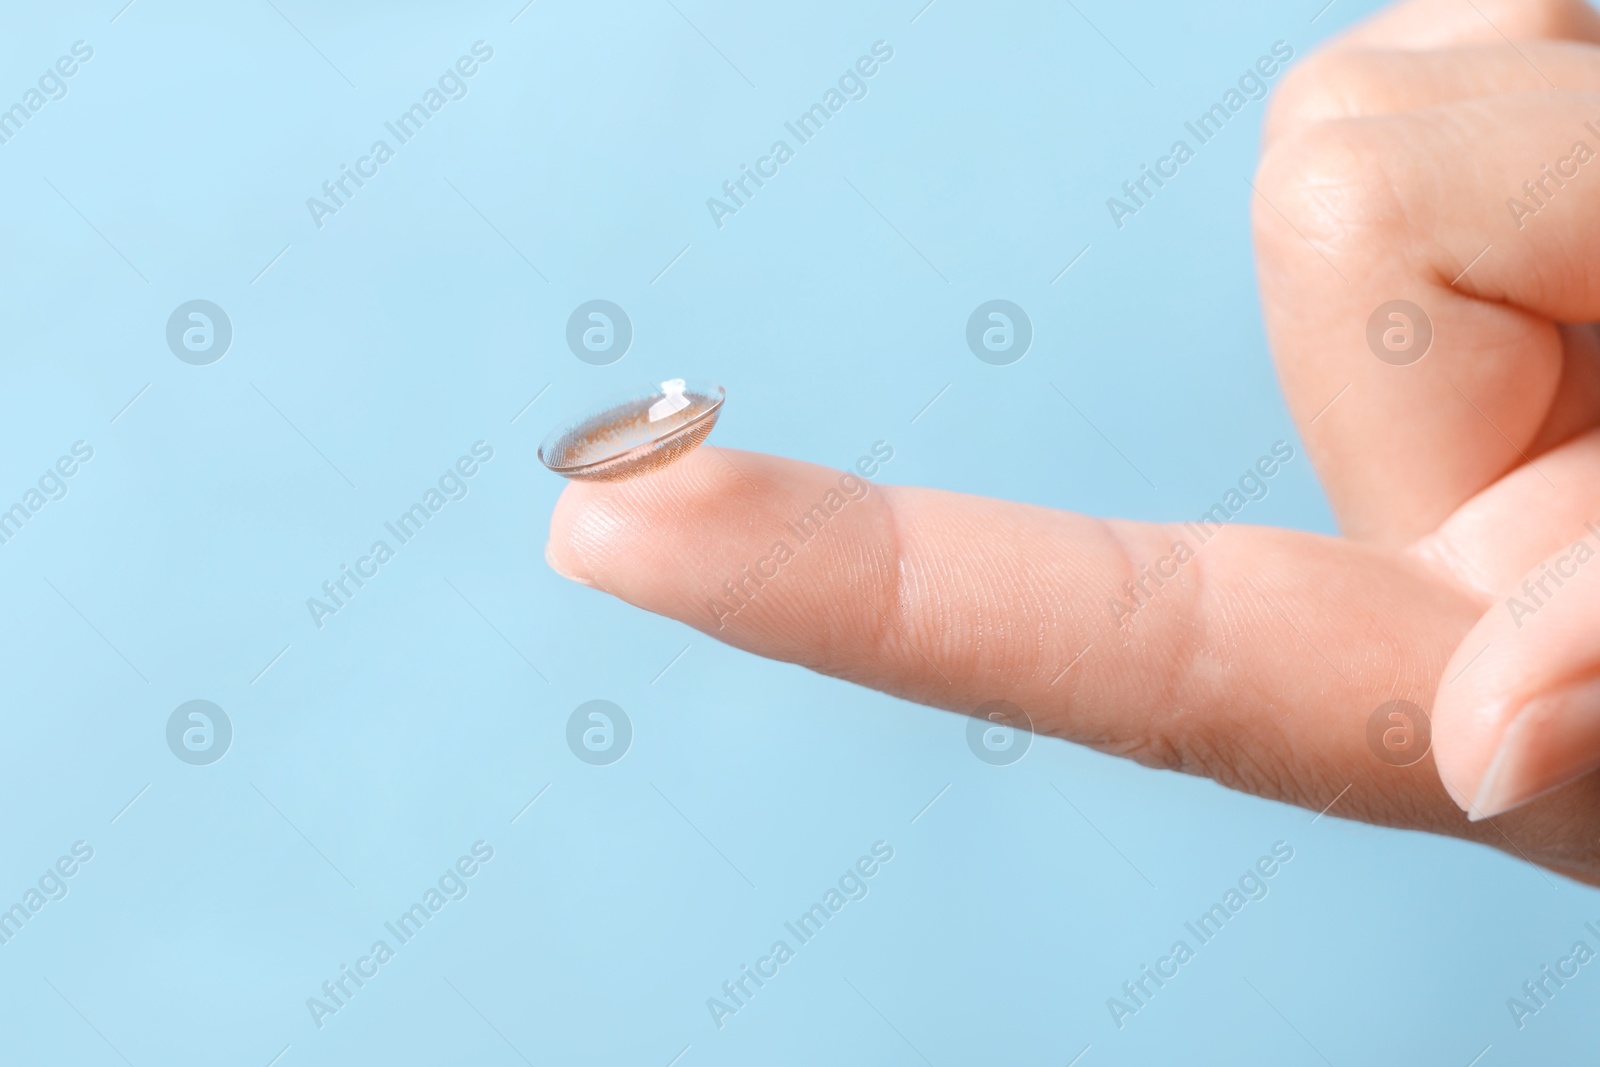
x=1393, y=155
x=1427, y=24
x=1362, y=212
x=1349, y=83
x=1259, y=660
x=1491, y=542
x=1538, y=640
x=1259, y=664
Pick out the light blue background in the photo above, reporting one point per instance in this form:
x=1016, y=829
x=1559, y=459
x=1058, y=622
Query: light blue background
x=378, y=749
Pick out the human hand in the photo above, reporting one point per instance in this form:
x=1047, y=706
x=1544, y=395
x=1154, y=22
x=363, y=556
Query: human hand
x=1389, y=157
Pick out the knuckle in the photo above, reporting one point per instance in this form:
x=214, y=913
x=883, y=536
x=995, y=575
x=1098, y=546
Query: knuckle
x=1206, y=716
x=1213, y=751
x=877, y=629
x=1248, y=769
x=1334, y=185
x=1158, y=753
x=1325, y=85
x=1540, y=18
x=1188, y=725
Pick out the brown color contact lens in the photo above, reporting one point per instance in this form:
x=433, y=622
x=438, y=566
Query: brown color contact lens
x=634, y=434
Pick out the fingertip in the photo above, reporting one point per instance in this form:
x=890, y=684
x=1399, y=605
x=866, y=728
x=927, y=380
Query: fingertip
x=563, y=563
x=560, y=549
x=1517, y=714
x=1468, y=722
x=1472, y=706
x=615, y=535
x=1553, y=740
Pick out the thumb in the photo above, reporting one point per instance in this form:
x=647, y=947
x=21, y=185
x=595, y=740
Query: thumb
x=1518, y=711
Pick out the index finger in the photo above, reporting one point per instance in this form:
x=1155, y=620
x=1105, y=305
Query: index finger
x=1251, y=655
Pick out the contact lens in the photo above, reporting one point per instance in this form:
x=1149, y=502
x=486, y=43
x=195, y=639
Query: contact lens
x=634, y=434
